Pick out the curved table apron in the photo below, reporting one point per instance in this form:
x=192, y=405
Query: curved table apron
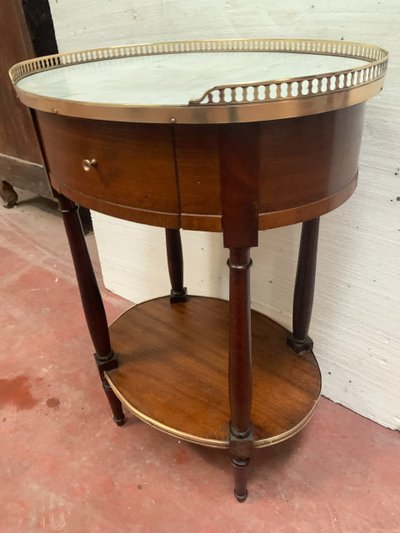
x=169, y=175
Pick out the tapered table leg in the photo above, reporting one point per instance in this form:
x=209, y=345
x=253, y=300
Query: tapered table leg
x=91, y=301
x=240, y=367
x=304, y=287
x=175, y=265
x=239, y=158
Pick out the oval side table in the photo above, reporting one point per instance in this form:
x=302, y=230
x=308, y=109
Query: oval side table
x=180, y=135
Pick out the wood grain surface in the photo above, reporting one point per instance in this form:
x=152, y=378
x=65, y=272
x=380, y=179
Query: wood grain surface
x=134, y=177
x=173, y=367
x=171, y=176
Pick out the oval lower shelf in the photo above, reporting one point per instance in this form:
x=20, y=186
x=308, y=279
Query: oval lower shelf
x=173, y=372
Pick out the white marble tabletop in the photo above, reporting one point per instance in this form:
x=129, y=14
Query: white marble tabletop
x=173, y=79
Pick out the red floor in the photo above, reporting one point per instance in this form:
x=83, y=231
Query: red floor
x=65, y=466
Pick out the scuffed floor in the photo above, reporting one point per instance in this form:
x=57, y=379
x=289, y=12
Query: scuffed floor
x=65, y=466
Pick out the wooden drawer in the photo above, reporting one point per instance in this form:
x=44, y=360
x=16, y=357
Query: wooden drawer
x=134, y=175
x=306, y=167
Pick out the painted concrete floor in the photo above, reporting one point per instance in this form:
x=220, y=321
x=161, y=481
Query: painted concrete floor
x=65, y=466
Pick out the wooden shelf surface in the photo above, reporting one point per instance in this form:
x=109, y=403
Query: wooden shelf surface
x=173, y=372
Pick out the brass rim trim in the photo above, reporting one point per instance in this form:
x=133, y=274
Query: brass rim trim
x=211, y=443
x=246, y=102
x=165, y=429
x=263, y=443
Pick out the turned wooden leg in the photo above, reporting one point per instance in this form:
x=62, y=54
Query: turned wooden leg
x=239, y=157
x=91, y=301
x=240, y=367
x=304, y=287
x=175, y=265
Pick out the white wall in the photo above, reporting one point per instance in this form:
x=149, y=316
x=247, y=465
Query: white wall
x=355, y=323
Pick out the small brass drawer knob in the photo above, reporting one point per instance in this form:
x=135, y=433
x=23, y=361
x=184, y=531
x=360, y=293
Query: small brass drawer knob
x=87, y=164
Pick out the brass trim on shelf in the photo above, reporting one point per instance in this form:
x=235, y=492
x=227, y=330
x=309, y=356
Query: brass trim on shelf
x=244, y=102
x=263, y=443
x=211, y=443
x=165, y=429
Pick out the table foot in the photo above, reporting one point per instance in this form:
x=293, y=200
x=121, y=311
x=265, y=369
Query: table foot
x=241, y=498
x=240, y=472
x=119, y=421
x=115, y=404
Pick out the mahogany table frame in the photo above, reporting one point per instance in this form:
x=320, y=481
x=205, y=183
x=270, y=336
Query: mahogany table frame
x=238, y=178
x=241, y=150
